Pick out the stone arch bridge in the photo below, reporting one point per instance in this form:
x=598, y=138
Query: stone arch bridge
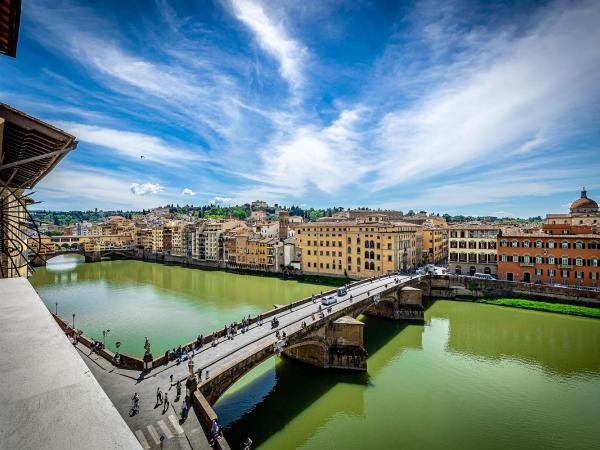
x=331, y=340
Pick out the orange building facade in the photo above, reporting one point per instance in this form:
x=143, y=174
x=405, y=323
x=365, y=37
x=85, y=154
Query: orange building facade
x=539, y=257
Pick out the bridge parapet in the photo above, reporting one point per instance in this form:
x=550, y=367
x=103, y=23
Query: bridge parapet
x=404, y=303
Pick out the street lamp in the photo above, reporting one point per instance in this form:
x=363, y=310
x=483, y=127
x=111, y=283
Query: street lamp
x=56, y=308
x=104, y=333
x=73, y=320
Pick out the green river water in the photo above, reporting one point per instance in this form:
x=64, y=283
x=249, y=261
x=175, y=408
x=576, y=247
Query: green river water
x=473, y=376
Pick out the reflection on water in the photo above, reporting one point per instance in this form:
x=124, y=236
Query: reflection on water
x=64, y=263
x=473, y=376
x=170, y=304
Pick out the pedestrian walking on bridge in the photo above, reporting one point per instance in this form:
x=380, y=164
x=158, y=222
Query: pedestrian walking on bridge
x=159, y=398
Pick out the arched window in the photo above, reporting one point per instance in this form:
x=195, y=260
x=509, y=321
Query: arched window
x=526, y=243
x=564, y=244
x=538, y=259
x=551, y=244
x=578, y=244
x=515, y=258
x=372, y=255
x=593, y=245
x=372, y=266
x=366, y=265
x=366, y=253
x=551, y=260
x=539, y=244
x=372, y=244
x=526, y=259
x=515, y=243
x=357, y=241
x=564, y=260
x=594, y=262
x=349, y=259
x=579, y=261
x=503, y=243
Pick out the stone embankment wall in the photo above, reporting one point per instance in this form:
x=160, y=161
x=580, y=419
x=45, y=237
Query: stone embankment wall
x=127, y=361
x=452, y=286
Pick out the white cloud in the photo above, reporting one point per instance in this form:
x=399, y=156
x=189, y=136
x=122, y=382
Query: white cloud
x=219, y=200
x=501, y=104
x=188, y=191
x=274, y=39
x=63, y=189
x=327, y=158
x=134, y=145
x=146, y=188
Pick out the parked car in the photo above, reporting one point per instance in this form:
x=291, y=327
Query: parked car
x=329, y=300
x=483, y=276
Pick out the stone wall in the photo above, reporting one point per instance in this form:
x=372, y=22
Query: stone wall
x=452, y=286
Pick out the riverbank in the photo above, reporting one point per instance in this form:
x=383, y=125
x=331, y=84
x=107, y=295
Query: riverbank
x=559, y=308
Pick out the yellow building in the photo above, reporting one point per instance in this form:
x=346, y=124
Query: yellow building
x=357, y=249
x=472, y=248
x=435, y=245
x=157, y=240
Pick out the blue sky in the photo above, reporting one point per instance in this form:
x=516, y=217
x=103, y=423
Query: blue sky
x=459, y=107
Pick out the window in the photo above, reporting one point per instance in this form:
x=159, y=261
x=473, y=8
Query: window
x=389, y=258
x=564, y=260
x=565, y=273
x=389, y=246
x=578, y=244
x=551, y=272
x=551, y=260
x=593, y=245
x=593, y=275
x=564, y=244
x=538, y=272
x=538, y=259
x=551, y=244
x=526, y=243
x=503, y=243
x=594, y=262
x=515, y=258
x=515, y=243
x=308, y=252
x=526, y=259
x=579, y=275
x=504, y=258
x=539, y=244
x=579, y=261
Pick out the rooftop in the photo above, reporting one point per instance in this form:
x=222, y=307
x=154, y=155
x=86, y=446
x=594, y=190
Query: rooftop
x=10, y=17
x=29, y=148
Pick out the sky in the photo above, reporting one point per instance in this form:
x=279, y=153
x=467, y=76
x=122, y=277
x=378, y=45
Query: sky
x=457, y=107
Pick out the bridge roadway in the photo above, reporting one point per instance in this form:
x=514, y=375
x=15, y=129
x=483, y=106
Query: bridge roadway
x=120, y=384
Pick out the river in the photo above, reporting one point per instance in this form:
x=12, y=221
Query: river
x=473, y=376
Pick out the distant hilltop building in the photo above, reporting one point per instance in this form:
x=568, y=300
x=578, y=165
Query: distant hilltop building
x=373, y=215
x=258, y=205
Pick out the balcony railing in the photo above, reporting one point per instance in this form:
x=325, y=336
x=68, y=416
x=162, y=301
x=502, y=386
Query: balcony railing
x=565, y=266
x=526, y=264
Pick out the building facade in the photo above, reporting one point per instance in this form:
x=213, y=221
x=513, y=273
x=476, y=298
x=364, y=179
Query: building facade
x=540, y=257
x=435, y=245
x=356, y=249
x=472, y=248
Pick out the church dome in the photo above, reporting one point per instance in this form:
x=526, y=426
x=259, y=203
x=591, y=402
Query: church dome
x=584, y=204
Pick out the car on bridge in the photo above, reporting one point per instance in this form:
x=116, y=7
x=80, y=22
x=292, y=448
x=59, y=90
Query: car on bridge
x=342, y=291
x=329, y=300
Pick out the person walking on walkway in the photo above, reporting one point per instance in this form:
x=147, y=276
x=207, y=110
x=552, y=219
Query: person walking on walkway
x=178, y=389
x=159, y=398
x=171, y=377
x=166, y=405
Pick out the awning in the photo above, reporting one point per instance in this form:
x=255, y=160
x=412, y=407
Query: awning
x=29, y=148
x=10, y=16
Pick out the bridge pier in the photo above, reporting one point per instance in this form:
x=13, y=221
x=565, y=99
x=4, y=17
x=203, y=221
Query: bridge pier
x=336, y=345
x=403, y=304
x=92, y=257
